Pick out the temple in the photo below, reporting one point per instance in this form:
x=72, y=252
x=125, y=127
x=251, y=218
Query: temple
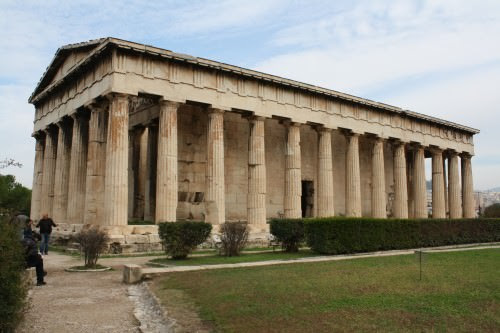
x=126, y=131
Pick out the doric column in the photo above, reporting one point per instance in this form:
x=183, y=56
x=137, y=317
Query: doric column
x=142, y=145
x=96, y=165
x=256, y=202
x=130, y=175
x=454, y=199
x=62, y=173
x=445, y=188
x=77, y=170
x=36, y=193
x=325, y=199
x=293, y=173
x=352, y=175
x=166, y=181
x=49, y=168
x=438, y=201
x=378, y=180
x=150, y=183
x=467, y=187
x=419, y=186
x=400, y=182
x=216, y=205
x=116, y=177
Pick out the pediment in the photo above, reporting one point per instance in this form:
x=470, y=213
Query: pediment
x=65, y=59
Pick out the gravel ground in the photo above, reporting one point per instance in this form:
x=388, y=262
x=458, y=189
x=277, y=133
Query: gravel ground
x=80, y=302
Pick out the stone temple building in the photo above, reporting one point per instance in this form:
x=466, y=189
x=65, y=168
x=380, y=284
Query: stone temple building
x=128, y=131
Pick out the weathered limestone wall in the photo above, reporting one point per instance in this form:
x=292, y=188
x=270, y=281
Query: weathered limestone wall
x=192, y=143
x=275, y=160
x=236, y=132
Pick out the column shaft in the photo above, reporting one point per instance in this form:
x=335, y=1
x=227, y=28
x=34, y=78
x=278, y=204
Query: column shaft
x=293, y=185
x=256, y=202
x=166, y=181
x=467, y=187
x=62, y=173
x=216, y=209
x=49, y=168
x=400, y=182
x=325, y=199
x=96, y=167
x=438, y=201
x=77, y=170
x=378, y=180
x=454, y=187
x=36, y=192
x=150, y=183
x=141, y=173
x=419, y=185
x=116, y=177
x=445, y=188
x=353, y=181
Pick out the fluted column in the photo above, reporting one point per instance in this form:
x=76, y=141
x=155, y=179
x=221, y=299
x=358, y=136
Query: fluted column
x=419, y=186
x=325, y=197
x=293, y=173
x=77, y=170
x=150, y=183
x=454, y=199
x=400, y=182
x=141, y=173
x=256, y=202
x=62, y=173
x=96, y=166
x=467, y=187
x=116, y=177
x=49, y=168
x=36, y=193
x=379, y=193
x=166, y=181
x=352, y=174
x=445, y=188
x=216, y=205
x=438, y=201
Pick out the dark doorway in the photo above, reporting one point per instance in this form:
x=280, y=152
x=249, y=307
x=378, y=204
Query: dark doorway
x=307, y=198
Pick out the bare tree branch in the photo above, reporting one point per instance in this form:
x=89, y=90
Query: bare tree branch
x=9, y=162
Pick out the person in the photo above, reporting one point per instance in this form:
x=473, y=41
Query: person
x=29, y=232
x=45, y=225
x=34, y=259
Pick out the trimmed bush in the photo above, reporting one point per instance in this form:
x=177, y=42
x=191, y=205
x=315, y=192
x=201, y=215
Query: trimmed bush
x=233, y=236
x=289, y=232
x=93, y=242
x=13, y=288
x=351, y=235
x=180, y=238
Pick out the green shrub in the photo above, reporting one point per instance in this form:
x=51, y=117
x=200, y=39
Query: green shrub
x=180, y=238
x=13, y=288
x=351, y=235
x=289, y=232
x=492, y=210
x=93, y=242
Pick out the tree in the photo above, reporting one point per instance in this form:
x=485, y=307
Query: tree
x=492, y=211
x=13, y=196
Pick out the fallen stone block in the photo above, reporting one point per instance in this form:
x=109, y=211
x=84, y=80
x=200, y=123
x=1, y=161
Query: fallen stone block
x=132, y=273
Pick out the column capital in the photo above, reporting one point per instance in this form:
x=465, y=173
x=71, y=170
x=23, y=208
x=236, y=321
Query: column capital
x=323, y=129
x=120, y=96
x=256, y=118
x=435, y=150
x=169, y=104
x=350, y=133
x=212, y=111
x=289, y=123
x=466, y=155
x=38, y=135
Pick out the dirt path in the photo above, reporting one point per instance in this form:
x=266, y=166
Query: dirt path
x=80, y=302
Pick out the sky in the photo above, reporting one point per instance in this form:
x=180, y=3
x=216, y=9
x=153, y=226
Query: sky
x=439, y=57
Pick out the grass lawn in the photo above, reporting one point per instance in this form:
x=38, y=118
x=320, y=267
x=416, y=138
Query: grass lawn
x=244, y=257
x=459, y=292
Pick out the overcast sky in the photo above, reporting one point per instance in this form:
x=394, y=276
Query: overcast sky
x=440, y=58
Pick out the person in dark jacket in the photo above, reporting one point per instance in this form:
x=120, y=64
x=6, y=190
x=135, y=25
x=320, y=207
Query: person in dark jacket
x=34, y=259
x=45, y=225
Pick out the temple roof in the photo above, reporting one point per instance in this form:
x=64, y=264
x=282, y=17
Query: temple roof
x=86, y=51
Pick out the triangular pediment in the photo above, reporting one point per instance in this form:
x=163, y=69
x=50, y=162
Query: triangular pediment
x=65, y=59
